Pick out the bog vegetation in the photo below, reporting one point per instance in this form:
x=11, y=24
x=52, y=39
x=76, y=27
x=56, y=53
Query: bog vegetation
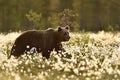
x=88, y=56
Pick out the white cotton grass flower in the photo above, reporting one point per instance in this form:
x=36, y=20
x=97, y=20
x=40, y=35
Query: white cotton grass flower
x=40, y=76
x=76, y=71
x=87, y=78
x=28, y=46
x=26, y=62
x=82, y=68
x=17, y=77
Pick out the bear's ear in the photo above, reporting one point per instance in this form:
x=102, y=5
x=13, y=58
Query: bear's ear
x=59, y=28
x=67, y=27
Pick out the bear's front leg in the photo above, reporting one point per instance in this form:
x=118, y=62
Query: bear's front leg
x=59, y=48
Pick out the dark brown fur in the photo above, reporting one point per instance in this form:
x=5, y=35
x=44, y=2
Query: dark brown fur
x=44, y=41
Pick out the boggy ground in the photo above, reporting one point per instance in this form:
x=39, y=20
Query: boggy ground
x=88, y=56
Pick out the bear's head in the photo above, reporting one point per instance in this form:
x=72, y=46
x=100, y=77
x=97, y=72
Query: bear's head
x=64, y=33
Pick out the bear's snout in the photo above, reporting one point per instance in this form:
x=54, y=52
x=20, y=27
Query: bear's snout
x=67, y=38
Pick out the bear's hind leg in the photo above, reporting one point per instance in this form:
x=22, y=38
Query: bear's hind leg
x=46, y=54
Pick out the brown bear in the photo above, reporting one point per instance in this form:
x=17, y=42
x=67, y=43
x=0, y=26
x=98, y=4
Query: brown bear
x=35, y=41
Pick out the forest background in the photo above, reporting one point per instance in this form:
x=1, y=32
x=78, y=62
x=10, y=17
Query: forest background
x=87, y=15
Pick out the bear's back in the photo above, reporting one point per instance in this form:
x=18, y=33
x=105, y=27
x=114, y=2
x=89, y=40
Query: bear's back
x=35, y=37
x=30, y=34
x=32, y=37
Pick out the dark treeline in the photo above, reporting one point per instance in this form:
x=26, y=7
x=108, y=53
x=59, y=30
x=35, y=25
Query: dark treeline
x=89, y=15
